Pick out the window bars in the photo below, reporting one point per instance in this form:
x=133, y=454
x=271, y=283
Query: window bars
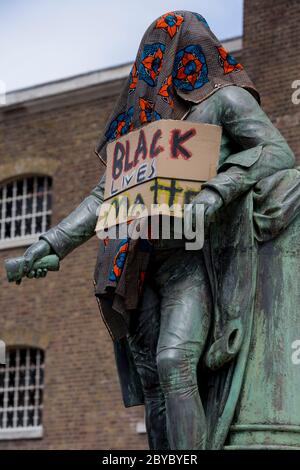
x=21, y=394
x=25, y=210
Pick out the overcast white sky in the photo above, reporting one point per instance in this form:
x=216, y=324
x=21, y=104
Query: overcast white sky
x=45, y=40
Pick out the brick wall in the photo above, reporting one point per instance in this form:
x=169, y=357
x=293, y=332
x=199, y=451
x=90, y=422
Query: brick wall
x=271, y=54
x=82, y=402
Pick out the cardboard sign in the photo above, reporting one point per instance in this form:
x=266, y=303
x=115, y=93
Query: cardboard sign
x=164, y=162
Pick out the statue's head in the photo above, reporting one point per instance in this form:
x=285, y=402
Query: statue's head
x=179, y=62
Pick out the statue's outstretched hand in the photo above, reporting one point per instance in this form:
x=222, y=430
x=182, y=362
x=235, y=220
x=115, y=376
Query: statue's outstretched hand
x=35, y=253
x=36, y=262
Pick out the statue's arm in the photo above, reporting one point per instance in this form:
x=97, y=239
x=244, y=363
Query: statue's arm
x=264, y=151
x=79, y=226
x=71, y=232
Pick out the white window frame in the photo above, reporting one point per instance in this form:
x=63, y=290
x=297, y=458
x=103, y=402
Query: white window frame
x=21, y=241
x=24, y=240
x=34, y=431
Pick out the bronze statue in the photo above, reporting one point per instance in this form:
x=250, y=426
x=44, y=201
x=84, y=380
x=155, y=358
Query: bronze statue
x=182, y=321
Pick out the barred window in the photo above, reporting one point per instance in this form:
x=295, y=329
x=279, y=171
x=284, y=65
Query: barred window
x=21, y=394
x=25, y=210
